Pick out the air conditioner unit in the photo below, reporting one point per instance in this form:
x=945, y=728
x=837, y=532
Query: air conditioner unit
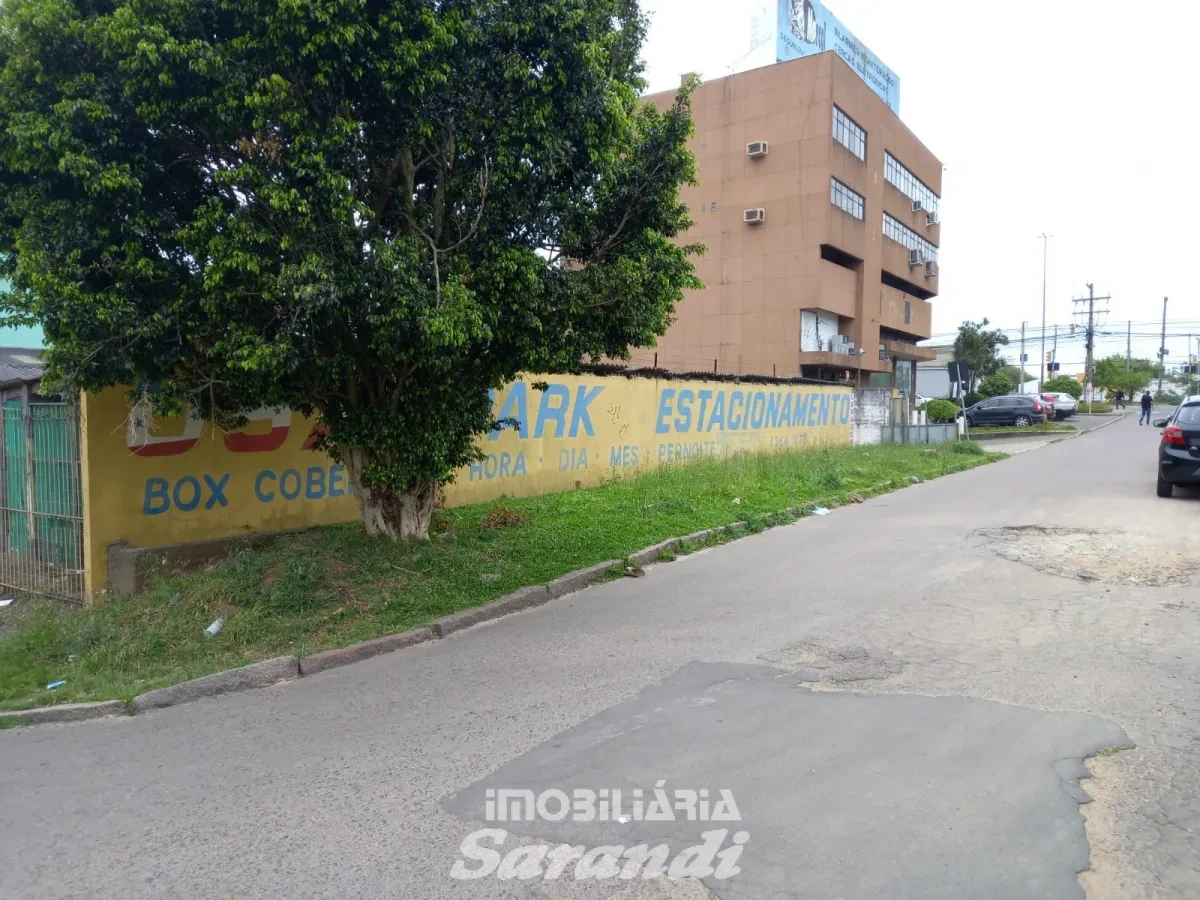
x=931, y=268
x=754, y=216
x=755, y=149
x=916, y=258
x=917, y=206
x=932, y=219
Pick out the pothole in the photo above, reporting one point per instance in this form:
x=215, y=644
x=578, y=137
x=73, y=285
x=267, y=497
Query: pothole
x=1107, y=556
x=838, y=665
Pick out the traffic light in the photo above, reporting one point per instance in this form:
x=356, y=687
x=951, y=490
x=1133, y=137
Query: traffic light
x=1072, y=329
x=1049, y=356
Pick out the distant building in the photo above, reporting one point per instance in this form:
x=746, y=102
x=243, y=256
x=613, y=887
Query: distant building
x=819, y=209
x=933, y=378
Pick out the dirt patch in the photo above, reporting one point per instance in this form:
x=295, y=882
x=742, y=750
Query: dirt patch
x=503, y=517
x=1096, y=555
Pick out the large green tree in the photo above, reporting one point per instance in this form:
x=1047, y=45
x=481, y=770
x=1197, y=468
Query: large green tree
x=979, y=348
x=376, y=210
x=1110, y=373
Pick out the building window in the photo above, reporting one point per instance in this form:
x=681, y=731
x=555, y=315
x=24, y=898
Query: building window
x=907, y=312
x=847, y=133
x=845, y=199
x=909, y=184
x=906, y=237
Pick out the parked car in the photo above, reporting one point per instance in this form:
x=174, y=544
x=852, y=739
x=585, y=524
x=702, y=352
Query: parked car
x=1010, y=410
x=1179, y=450
x=1065, y=405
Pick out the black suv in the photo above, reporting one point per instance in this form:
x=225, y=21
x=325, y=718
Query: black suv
x=1008, y=410
x=1179, y=452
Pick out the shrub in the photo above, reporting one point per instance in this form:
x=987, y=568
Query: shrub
x=1064, y=384
x=995, y=385
x=974, y=397
x=1168, y=398
x=940, y=410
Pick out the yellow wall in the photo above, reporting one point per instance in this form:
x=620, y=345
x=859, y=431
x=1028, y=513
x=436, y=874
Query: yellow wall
x=583, y=429
x=152, y=483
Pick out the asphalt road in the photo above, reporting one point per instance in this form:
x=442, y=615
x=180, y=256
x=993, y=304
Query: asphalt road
x=900, y=697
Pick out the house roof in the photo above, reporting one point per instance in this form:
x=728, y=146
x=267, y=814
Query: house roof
x=20, y=365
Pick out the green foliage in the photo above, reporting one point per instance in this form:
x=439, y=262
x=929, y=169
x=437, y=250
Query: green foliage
x=979, y=349
x=966, y=448
x=377, y=211
x=974, y=397
x=1064, y=384
x=1109, y=373
x=1016, y=375
x=995, y=385
x=941, y=410
x=1168, y=398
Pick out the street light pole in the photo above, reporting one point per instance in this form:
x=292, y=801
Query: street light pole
x=1045, y=247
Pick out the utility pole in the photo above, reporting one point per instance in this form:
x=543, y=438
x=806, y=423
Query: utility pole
x=1021, y=361
x=1045, y=246
x=1054, y=355
x=1162, y=348
x=1128, y=343
x=1090, y=300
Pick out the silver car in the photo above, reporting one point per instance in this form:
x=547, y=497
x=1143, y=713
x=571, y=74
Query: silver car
x=1065, y=405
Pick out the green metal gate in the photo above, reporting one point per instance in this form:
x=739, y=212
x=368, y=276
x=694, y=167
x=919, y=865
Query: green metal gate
x=41, y=503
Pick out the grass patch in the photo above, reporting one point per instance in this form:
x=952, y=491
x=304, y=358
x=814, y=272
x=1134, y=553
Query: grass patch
x=1099, y=409
x=1110, y=751
x=329, y=587
x=14, y=722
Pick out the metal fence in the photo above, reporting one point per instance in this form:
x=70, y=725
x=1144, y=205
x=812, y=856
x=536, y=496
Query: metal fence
x=41, y=504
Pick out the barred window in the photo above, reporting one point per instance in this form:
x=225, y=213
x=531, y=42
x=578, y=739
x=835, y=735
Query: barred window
x=906, y=237
x=909, y=184
x=907, y=312
x=846, y=199
x=847, y=133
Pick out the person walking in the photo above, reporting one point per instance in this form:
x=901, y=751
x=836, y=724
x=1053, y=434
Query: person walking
x=1120, y=399
x=1147, y=403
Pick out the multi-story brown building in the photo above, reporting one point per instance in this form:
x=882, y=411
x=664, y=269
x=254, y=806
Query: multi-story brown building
x=819, y=209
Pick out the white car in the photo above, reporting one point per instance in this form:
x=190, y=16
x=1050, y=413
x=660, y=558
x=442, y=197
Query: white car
x=1065, y=405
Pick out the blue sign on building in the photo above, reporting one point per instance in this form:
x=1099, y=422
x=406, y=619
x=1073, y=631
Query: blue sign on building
x=806, y=27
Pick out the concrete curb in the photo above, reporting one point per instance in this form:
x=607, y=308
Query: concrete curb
x=1045, y=435
x=66, y=712
x=651, y=554
x=581, y=578
x=263, y=674
x=343, y=656
x=525, y=598
x=283, y=668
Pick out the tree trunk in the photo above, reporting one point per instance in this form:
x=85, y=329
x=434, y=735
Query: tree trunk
x=402, y=517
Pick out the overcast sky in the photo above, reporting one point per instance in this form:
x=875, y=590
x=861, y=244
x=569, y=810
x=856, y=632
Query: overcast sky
x=1067, y=117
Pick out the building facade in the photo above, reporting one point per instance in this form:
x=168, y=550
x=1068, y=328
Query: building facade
x=819, y=209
